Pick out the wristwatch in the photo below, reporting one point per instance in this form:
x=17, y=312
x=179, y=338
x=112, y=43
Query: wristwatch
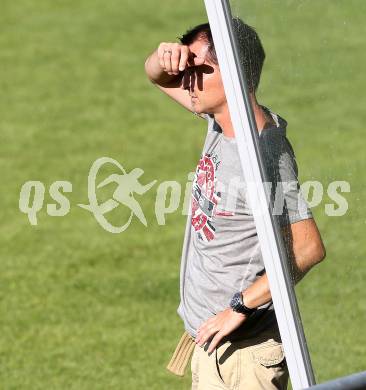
x=237, y=305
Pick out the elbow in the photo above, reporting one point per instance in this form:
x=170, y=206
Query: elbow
x=311, y=255
x=318, y=252
x=323, y=253
x=148, y=71
x=314, y=254
x=146, y=67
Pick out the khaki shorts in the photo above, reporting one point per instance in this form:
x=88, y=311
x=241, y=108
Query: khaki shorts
x=252, y=364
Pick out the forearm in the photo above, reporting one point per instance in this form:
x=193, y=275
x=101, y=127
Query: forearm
x=302, y=259
x=259, y=293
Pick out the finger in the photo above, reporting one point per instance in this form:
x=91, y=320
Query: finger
x=161, y=49
x=215, y=341
x=203, y=339
x=211, y=320
x=208, y=322
x=183, y=58
x=200, y=334
x=167, y=61
x=205, y=325
x=174, y=59
x=206, y=335
x=202, y=326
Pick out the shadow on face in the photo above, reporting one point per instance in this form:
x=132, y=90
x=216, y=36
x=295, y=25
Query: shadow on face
x=194, y=74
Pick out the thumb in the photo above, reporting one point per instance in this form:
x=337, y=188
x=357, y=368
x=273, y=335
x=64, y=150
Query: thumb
x=199, y=60
x=201, y=56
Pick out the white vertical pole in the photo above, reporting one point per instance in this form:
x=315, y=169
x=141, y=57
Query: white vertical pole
x=274, y=256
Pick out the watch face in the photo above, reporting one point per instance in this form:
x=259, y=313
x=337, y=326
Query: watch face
x=238, y=306
x=235, y=302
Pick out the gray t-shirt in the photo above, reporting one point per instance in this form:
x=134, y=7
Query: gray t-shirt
x=221, y=254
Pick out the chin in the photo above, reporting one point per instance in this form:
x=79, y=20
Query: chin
x=199, y=109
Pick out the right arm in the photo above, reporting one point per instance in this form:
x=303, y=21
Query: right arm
x=165, y=68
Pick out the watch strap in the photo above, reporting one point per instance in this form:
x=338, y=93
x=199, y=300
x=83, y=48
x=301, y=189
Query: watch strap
x=238, y=305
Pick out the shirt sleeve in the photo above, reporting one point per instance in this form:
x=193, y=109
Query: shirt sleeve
x=289, y=205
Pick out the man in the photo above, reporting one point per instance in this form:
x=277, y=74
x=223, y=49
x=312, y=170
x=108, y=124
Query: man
x=225, y=297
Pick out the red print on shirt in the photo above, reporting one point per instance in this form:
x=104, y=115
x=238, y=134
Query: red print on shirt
x=204, y=197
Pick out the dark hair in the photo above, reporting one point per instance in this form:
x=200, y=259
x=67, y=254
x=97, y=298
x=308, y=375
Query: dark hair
x=251, y=51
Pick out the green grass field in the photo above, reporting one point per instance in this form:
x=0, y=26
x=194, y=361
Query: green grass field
x=82, y=308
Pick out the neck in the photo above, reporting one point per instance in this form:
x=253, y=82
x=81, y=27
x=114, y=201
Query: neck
x=224, y=120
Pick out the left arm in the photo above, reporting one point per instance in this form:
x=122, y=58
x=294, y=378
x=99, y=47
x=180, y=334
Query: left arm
x=305, y=250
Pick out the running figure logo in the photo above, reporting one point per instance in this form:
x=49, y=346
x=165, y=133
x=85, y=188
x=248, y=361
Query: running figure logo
x=204, y=197
x=127, y=185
